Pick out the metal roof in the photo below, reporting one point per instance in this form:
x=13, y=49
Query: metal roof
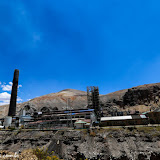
x=122, y=117
x=80, y=121
x=146, y=112
x=136, y=117
x=115, y=118
x=80, y=110
x=143, y=116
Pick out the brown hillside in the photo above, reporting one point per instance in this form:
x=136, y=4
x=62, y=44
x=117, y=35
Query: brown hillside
x=142, y=98
x=76, y=99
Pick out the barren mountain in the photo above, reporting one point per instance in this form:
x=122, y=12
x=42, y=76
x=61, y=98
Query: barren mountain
x=74, y=99
x=142, y=98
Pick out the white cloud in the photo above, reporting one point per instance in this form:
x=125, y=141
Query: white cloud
x=6, y=101
x=4, y=96
x=8, y=87
x=2, y=103
x=19, y=86
x=19, y=99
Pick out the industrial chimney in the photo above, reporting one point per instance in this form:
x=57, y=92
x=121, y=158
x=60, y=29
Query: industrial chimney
x=13, y=100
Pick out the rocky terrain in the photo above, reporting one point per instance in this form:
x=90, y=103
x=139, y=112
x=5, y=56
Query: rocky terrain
x=128, y=143
x=141, y=98
x=117, y=143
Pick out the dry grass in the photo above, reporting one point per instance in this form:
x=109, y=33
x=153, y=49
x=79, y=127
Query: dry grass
x=25, y=155
x=148, y=129
x=92, y=133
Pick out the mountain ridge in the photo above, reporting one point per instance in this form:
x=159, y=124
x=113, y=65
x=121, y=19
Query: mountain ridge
x=143, y=98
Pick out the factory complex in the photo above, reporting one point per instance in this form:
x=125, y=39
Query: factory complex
x=29, y=118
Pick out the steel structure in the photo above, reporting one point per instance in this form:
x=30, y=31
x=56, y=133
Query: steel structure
x=93, y=100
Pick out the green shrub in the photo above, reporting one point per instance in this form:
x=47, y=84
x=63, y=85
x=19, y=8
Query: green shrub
x=11, y=128
x=22, y=127
x=44, y=154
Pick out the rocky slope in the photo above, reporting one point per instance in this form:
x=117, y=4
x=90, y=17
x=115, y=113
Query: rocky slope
x=102, y=143
x=142, y=98
x=74, y=98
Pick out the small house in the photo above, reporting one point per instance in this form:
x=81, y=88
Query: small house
x=80, y=124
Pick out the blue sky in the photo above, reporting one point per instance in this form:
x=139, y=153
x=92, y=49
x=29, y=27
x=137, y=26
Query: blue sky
x=60, y=44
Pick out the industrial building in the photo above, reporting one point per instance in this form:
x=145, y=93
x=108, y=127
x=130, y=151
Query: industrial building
x=52, y=118
x=55, y=119
x=124, y=120
x=29, y=117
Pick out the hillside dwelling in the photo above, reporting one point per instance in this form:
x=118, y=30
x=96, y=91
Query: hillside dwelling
x=79, y=124
x=124, y=120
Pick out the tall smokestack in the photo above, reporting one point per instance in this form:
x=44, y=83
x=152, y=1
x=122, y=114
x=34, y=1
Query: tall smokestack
x=13, y=100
